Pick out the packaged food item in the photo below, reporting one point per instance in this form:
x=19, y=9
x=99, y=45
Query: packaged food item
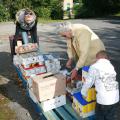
x=19, y=43
x=30, y=47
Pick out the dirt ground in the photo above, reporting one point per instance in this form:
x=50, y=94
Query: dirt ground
x=107, y=29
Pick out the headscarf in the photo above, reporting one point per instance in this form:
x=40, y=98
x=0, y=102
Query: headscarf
x=20, y=19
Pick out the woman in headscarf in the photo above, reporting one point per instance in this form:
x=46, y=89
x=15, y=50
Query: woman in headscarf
x=26, y=27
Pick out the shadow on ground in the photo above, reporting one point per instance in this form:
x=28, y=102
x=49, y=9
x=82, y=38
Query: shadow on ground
x=10, y=88
x=111, y=39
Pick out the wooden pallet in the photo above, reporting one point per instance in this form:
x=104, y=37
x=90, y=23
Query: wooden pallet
x=61, y=113
x=65, y=112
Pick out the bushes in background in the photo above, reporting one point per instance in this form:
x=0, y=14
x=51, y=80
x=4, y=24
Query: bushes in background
x=52, y=9
x=48, y=9
x=4, y=14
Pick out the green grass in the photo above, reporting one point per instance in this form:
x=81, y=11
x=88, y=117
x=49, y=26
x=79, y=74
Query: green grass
x=45, y=21
x=5, y=112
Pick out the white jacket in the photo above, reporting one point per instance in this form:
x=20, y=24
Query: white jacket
x=103, y=76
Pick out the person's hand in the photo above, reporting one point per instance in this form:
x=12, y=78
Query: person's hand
x=68, y=80
x=74, y=74
x=69, y=63
x=84, y=97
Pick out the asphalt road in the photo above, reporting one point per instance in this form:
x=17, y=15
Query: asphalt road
x=107, y=29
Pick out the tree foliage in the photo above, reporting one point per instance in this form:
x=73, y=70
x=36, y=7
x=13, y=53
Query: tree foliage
x=4, y=14
x=100, y=7
x=14, y=6
x=53, y=8
x=43, y=8
x=56, y=9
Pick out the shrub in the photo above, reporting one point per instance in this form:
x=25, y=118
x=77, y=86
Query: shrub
x=43, y=12
x=56, y=9
x=83, y=12
x=76, y=9
x=57, y=14
x=4, y=14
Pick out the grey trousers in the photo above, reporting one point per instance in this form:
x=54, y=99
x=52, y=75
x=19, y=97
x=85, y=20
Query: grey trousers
x=107, y=112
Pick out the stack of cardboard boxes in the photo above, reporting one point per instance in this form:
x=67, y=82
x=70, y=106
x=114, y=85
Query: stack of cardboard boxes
x=50, y=90
x=44, y=78
x=34, y=63
x=30, y=64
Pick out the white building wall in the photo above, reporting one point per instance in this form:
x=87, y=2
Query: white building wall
x=67, y=3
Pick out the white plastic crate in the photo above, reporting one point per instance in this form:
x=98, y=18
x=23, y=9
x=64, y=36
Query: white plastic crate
x=53, y=103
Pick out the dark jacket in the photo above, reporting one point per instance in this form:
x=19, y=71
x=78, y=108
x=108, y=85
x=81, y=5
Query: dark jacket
x=22, y=26
x=32, y=32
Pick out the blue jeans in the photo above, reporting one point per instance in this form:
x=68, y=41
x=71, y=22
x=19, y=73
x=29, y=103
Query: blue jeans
x=25, y=38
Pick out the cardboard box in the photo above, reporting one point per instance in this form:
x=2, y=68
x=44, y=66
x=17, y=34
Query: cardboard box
x=47, y=86
x=53, y=103
x=32, y=71
x=31, y=58
x=83, y=108
x=91, y=95
x=53, y=65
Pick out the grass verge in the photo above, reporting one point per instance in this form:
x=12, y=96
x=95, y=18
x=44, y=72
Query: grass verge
x=5, y=112
x=45, y=21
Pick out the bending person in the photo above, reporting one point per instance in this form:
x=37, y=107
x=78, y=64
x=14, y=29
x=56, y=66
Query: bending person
x=82, y=45
x=26, y=26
